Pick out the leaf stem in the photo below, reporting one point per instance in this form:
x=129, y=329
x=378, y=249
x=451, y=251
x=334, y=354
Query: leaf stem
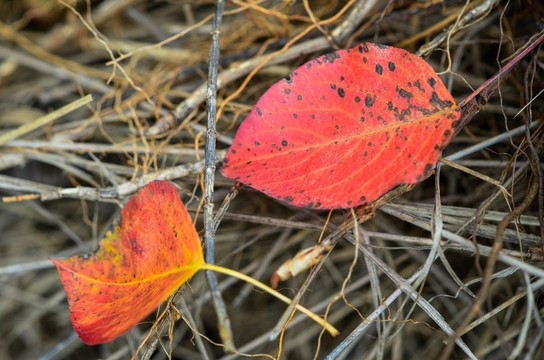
x=331, y=329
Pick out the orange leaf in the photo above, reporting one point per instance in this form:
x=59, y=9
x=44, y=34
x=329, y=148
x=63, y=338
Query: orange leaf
x=153, y=251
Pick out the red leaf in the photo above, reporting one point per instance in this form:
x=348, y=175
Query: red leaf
x=153, y=251
x=345, y=129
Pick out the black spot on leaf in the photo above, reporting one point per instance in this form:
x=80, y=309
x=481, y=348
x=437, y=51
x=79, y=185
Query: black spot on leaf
x=436, y=101
x=341, y=92
x=259, y=112
x=357, y=99
x=379, y=69
x=431, y=82
x=391, y=66
x=370, y=100
x=331, y=57
x=405, y=94
x=428, y=167
x=284, y=142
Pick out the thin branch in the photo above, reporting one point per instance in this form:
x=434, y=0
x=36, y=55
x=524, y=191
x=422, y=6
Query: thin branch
x=225, y=330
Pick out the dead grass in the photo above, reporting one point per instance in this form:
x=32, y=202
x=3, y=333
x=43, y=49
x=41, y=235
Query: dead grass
x=64, y=180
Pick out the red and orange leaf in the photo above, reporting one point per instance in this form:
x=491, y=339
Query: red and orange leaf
x=345, y=129
x=153, y=251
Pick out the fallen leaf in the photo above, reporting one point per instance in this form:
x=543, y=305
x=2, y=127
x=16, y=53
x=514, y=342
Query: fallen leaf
x=153, y=251
x=345, y=129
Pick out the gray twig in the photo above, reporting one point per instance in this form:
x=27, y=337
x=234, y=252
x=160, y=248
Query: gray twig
x=209, y=172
